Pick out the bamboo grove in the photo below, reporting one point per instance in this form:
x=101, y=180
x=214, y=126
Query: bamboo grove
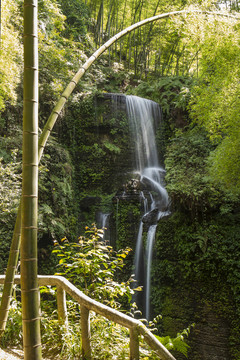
x=157, y=48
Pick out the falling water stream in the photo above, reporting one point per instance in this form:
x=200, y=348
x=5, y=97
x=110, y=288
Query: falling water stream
x=103, y=223
x=143, y=116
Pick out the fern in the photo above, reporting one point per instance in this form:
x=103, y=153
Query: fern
x=178, y=343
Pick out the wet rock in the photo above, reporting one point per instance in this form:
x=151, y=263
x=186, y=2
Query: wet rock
x=151, y=218
x=132, y=185
x=129, y=191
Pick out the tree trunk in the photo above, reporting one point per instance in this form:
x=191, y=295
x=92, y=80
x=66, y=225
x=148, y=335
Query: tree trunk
x=29, y=282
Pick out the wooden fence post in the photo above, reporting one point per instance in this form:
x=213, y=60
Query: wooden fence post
x=61, y=305
x=134, y=344
x=86, y=335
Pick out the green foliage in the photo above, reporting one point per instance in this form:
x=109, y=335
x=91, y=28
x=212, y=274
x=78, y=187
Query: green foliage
x=92, y=266
x=10, y=52
x=61, y=342
x=126, y=217
x=206, y=247
x=77, y=19
x=51, y=20
x=188, y=179
x=186, y=171
x=12, y=335
x=177, y=343
x=10, y=192
x=215, y=99
x=56, y=194
x=171, y=92
x=60, y=56
x=99, y=136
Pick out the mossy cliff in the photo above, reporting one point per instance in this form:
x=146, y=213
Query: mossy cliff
x=101, y=151
x=195, y=272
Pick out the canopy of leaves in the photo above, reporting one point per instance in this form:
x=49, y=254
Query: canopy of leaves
x=215, y=100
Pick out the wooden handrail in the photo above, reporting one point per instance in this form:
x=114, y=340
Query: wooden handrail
x=87, y=304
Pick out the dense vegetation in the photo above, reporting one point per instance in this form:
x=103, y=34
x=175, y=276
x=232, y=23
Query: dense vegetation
x=190, y=66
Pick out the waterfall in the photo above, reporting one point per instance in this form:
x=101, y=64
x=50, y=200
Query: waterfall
x=147, y=185
x=103, y=223
x=143, y=116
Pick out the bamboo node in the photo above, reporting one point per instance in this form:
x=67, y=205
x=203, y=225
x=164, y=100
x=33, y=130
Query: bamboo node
x=29, y=291
x=30, y=164
x=30, y=5
x=55, y=112
x=31, y=132
x=31, y=259
x=31, y=320
x=29, y=196
x=31, y=68
x=31, y=100
x=32, y=346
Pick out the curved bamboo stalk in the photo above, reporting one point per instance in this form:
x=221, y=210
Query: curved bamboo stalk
x=13, y=255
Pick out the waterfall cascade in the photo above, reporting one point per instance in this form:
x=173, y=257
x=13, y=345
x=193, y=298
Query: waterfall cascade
x=143, y=115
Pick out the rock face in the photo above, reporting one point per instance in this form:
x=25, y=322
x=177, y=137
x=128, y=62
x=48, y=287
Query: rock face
x=130, y=191
x=184, y=291
x=211, y=336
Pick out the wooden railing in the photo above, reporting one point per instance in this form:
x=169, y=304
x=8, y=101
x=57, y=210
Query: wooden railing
x=87, y=304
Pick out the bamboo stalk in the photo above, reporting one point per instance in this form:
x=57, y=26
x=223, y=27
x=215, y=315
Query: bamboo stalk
x=29, y=281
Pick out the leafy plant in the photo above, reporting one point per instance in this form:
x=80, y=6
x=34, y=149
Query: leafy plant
x=178, y=343
x=92, y=266
x=10, y=191
x=12, y=335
